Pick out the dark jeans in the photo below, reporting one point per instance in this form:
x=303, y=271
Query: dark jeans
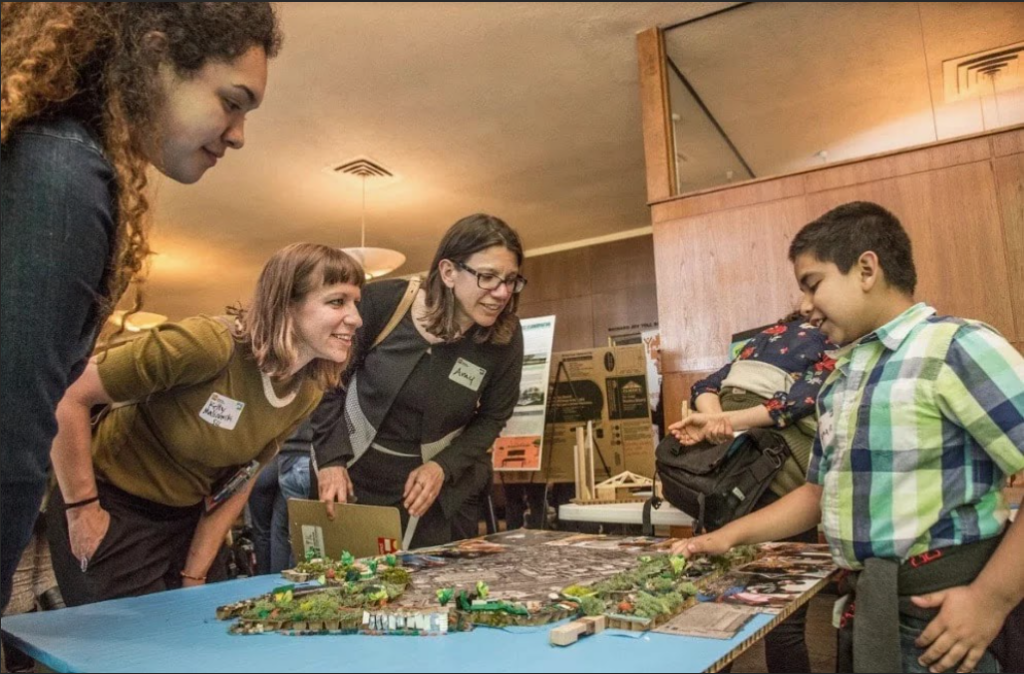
x=535, y=498
x=286, y=477
x=20, y=508
x=144, y=550
x=465, y=523
x=1009, y=645
x=55, y=239
x=910, y=629
x=266, y=509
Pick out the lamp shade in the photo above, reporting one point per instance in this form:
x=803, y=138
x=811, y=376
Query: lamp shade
x=376, y=261
x=138, y=321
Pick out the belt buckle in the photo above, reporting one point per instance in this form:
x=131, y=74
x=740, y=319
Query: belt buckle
x=925, y=558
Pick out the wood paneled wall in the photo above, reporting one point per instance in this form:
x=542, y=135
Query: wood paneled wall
x=721, y=256
x=591, y=290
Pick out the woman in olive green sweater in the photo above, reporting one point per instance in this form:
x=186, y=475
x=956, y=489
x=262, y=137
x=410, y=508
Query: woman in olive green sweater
x=142, y=506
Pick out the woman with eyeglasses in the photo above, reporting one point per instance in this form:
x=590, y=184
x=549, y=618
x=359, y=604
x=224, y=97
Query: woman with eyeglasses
x=421, y=409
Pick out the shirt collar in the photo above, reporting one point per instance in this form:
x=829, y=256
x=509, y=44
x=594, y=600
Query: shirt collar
x=895, y=332
x=891, y=335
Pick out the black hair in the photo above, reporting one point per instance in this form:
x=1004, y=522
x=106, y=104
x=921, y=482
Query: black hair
x=846, y=232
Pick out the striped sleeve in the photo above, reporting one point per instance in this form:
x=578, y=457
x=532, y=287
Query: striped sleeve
x=981, y=387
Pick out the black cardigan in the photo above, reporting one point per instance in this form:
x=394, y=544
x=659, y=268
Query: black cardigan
x=462, y=425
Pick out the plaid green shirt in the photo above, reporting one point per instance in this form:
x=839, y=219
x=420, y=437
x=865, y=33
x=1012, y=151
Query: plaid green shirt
x=920, y=423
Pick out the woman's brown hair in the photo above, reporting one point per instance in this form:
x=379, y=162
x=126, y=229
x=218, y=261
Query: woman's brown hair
x=468, y=236
x=266, y=326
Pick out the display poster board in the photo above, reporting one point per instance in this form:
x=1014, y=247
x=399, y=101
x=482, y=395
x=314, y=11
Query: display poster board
x=609, y=387
x=520, y=447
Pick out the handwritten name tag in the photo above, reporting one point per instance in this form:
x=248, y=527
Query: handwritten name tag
x=466, y=374
x=221, y=411
x=827, y=429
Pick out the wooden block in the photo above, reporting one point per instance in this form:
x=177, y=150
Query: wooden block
x=591, y=482
x=566, y=635
x=583, y=488
x=576, y=449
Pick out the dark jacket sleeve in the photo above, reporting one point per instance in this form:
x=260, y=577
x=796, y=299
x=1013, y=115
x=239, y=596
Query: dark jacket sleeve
x=497, y=402
x=330, y=441
x=58, y=231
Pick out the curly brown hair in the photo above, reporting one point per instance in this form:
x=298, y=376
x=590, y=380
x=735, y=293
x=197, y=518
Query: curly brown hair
x=91, y=60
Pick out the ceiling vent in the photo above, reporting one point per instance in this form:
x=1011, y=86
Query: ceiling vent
x=984, y=73
x=365, y=171
x=362, y=166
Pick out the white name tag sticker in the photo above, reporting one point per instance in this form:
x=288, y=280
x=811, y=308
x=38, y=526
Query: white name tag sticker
x=221, y=411
x=827, y=429
x=466, y=374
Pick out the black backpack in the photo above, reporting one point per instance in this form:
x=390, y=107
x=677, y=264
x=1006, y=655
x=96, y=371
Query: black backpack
x=715, y=484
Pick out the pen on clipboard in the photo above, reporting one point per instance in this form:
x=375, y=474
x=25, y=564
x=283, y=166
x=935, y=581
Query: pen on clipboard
x=410, y=530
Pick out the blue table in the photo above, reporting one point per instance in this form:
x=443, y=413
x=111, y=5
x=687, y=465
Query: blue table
x=177, y=631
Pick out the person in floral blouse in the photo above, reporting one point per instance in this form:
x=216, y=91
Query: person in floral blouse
x=773, y=383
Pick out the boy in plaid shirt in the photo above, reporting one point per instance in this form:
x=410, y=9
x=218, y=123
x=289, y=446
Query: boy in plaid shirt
x=919, y=425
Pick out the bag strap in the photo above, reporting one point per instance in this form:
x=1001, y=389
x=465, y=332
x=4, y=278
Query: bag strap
x=652, y=503
x=400, y=311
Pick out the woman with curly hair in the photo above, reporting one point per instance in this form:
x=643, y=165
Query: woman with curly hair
x=92, y=95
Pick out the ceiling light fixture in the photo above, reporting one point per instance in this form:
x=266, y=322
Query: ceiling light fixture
x=136, y=321
x=376, y=262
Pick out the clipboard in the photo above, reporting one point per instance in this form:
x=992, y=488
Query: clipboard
x=361, y=530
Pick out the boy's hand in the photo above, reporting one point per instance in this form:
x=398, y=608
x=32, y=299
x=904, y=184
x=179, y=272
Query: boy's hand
x=714, y=543
x=967, y=623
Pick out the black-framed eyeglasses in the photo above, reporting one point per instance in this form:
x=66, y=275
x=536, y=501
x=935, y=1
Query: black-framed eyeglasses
x=487, y=281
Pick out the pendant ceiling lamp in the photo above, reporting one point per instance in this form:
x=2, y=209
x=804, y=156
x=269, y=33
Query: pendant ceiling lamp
x=376, y=262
